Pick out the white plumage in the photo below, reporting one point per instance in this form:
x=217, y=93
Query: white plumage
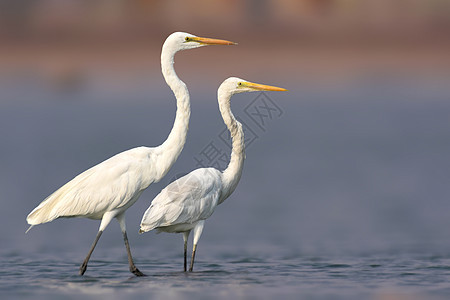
x=108, y=189
x=186, y=203
x=112, y=185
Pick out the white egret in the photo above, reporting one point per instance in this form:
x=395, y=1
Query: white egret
x=108, y=189
x=186, y=203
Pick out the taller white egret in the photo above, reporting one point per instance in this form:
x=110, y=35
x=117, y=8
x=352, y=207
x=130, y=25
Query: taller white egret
x=108, y=189
x=186, y=203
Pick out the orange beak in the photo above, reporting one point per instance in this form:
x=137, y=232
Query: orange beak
x=263, y=87
x=208, y=41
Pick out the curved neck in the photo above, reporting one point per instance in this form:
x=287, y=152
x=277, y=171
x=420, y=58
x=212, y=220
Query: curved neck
x=172, y=147
x=232, y=174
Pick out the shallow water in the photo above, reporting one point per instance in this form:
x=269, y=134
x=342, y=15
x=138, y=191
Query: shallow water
x=241, y=277
x=345, y=194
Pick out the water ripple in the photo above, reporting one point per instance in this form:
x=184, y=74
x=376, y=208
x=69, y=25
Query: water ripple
x=53, y=278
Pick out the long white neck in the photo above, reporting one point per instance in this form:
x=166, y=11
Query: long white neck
x=232, y=174
x=172, y=147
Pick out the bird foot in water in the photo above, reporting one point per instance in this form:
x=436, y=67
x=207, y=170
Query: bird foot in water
x=83, y=268
x=136, y=272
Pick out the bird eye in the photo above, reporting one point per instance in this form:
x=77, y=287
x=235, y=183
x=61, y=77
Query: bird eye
x=240, y=83
x=187, y=39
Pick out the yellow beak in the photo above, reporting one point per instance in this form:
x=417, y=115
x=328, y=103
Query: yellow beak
x=262, y=87
x=208, y=41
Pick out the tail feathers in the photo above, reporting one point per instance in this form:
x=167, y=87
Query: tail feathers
x=41, y=214
x=145, y=228
x=39, y=217
x=29, y=229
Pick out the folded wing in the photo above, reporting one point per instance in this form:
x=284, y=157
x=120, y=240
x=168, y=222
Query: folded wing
x=189, y=199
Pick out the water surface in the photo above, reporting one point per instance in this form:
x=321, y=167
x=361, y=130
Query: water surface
x=345, y=194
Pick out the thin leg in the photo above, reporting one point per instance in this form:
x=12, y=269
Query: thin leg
x=83, y=266
x=191, y=267
x=107, y=217
x=197, y=233
x=185, y=256
x=185, y=239
x=133, y=269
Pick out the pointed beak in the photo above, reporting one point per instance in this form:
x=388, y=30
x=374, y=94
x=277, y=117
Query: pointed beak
x=263, y=87
x=208, y=41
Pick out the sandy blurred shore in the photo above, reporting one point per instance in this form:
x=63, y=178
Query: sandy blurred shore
x=315, y=42
x=287, y=59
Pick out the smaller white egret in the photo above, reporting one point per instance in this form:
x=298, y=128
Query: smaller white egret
x=186, y=203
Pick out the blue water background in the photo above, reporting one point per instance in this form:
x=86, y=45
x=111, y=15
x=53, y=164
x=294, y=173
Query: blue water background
x=345, y=193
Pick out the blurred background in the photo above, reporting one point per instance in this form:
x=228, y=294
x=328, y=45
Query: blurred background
x=355, y=160
x=70, y=44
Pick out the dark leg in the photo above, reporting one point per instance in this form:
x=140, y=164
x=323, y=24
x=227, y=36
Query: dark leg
x=191, y=267
x=185, y=239
x=197, y=233
x=133, y=268
x=185, y=256
x=83, y=266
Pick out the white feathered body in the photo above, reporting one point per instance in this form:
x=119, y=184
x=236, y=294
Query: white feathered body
x=113, y=185
x=184, y=202
x=191, y=199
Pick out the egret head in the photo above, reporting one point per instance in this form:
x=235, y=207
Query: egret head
x=234, y=85
x=182, y=41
